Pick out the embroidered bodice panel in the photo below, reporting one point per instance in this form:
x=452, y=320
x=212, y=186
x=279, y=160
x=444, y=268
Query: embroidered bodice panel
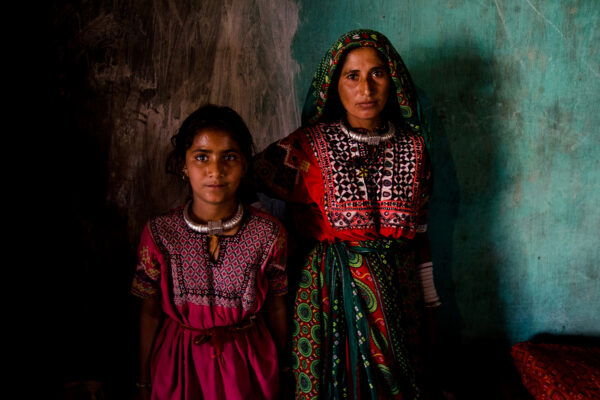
x=230, y=281
x=366, y=188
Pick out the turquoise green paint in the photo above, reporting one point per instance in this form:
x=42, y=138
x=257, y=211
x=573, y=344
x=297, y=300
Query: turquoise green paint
x=516, y=208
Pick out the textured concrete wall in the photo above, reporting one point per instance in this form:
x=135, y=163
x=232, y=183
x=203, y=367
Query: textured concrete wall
x=146, y=65
x=516, y=87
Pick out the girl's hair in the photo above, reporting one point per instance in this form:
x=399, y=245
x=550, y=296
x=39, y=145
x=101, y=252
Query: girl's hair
x=210, y=116
x=334, y=109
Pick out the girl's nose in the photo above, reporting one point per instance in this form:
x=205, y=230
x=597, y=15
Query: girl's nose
x=215, y=169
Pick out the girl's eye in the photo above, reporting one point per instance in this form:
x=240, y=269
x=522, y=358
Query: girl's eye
x=230, y=157
x=201, y=157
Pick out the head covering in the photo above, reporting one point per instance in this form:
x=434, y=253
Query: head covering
x=410, y=110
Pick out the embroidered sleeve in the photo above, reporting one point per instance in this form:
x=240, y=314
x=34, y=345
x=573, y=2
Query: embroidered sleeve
x=146, y=280
x=276, y=267
x=279, y=169
x=425, y=193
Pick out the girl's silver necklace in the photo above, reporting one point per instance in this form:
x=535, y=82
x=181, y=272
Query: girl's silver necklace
x=213, y=227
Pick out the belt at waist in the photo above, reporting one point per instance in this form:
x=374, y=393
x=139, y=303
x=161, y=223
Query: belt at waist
x=217, y=335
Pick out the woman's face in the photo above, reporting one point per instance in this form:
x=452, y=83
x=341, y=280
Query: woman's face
x=364, y=87
x=215, y=165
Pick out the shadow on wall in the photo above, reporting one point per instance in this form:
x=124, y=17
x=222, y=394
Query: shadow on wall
x=90, y=323
x=92, y=315
x=465, y=91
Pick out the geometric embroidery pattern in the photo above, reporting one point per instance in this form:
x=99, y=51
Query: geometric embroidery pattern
x=394, y=178
x=281, y=166
x=230, y=281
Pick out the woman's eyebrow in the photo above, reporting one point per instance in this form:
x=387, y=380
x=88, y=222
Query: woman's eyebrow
x=382, y=66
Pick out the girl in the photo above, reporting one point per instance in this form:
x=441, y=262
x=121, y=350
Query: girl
x=211, y=275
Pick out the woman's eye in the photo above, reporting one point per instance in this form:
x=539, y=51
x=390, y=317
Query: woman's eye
x=378, y=73
x=352, y=76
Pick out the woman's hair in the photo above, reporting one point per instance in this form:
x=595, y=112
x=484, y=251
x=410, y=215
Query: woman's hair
x=334, y=109
x=210, y=116
x=402, y=106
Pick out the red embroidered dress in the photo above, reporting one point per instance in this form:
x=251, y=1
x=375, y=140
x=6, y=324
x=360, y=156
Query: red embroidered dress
x=358, y=304
x=198, y=294
x=353, y=195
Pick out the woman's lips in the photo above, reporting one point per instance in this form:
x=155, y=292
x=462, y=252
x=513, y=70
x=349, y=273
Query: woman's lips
x=367, y=104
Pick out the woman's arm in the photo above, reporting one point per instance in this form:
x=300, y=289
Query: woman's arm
x=425, y=270
x=423, y=250
x=150, y=316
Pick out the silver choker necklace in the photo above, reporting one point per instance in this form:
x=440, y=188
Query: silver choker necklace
x=372, y=140
x=213, y=227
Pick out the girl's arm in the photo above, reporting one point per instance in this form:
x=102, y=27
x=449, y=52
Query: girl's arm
x=150, y=316
x=277, y=320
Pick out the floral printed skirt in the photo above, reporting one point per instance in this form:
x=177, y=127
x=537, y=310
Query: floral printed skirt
x=356, y=324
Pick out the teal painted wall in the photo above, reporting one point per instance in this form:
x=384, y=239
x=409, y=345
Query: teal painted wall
x=515, y=91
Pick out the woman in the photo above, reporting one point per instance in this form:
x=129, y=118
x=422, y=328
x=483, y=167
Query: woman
x=357, y=179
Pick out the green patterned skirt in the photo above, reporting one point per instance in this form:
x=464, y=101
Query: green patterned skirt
x=356, y=324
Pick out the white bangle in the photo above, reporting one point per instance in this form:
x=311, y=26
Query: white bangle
x=430, y=295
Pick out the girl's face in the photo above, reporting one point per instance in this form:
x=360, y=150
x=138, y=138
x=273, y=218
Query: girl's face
x=215, y=165
x=364, y=87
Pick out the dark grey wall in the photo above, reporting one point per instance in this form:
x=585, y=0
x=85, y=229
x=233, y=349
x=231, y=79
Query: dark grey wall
x=147, y=65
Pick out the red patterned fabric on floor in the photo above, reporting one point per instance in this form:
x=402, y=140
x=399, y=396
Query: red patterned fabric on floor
x=558, y=371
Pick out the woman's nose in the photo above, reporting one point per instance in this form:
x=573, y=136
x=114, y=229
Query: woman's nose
x=366, y=86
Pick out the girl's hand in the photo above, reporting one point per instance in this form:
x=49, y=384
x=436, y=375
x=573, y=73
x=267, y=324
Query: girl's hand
x=143, y=394
x=276, y=319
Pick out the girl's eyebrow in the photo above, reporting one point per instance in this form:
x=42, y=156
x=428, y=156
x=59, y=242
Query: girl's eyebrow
x=201, y=150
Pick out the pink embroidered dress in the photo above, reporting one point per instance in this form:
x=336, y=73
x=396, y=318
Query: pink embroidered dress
x=197, y=293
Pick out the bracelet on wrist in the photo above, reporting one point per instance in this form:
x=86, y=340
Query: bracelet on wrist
x=143, y=385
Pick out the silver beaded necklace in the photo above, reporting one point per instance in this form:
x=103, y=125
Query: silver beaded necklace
x=372, y=140
x=213, y=227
